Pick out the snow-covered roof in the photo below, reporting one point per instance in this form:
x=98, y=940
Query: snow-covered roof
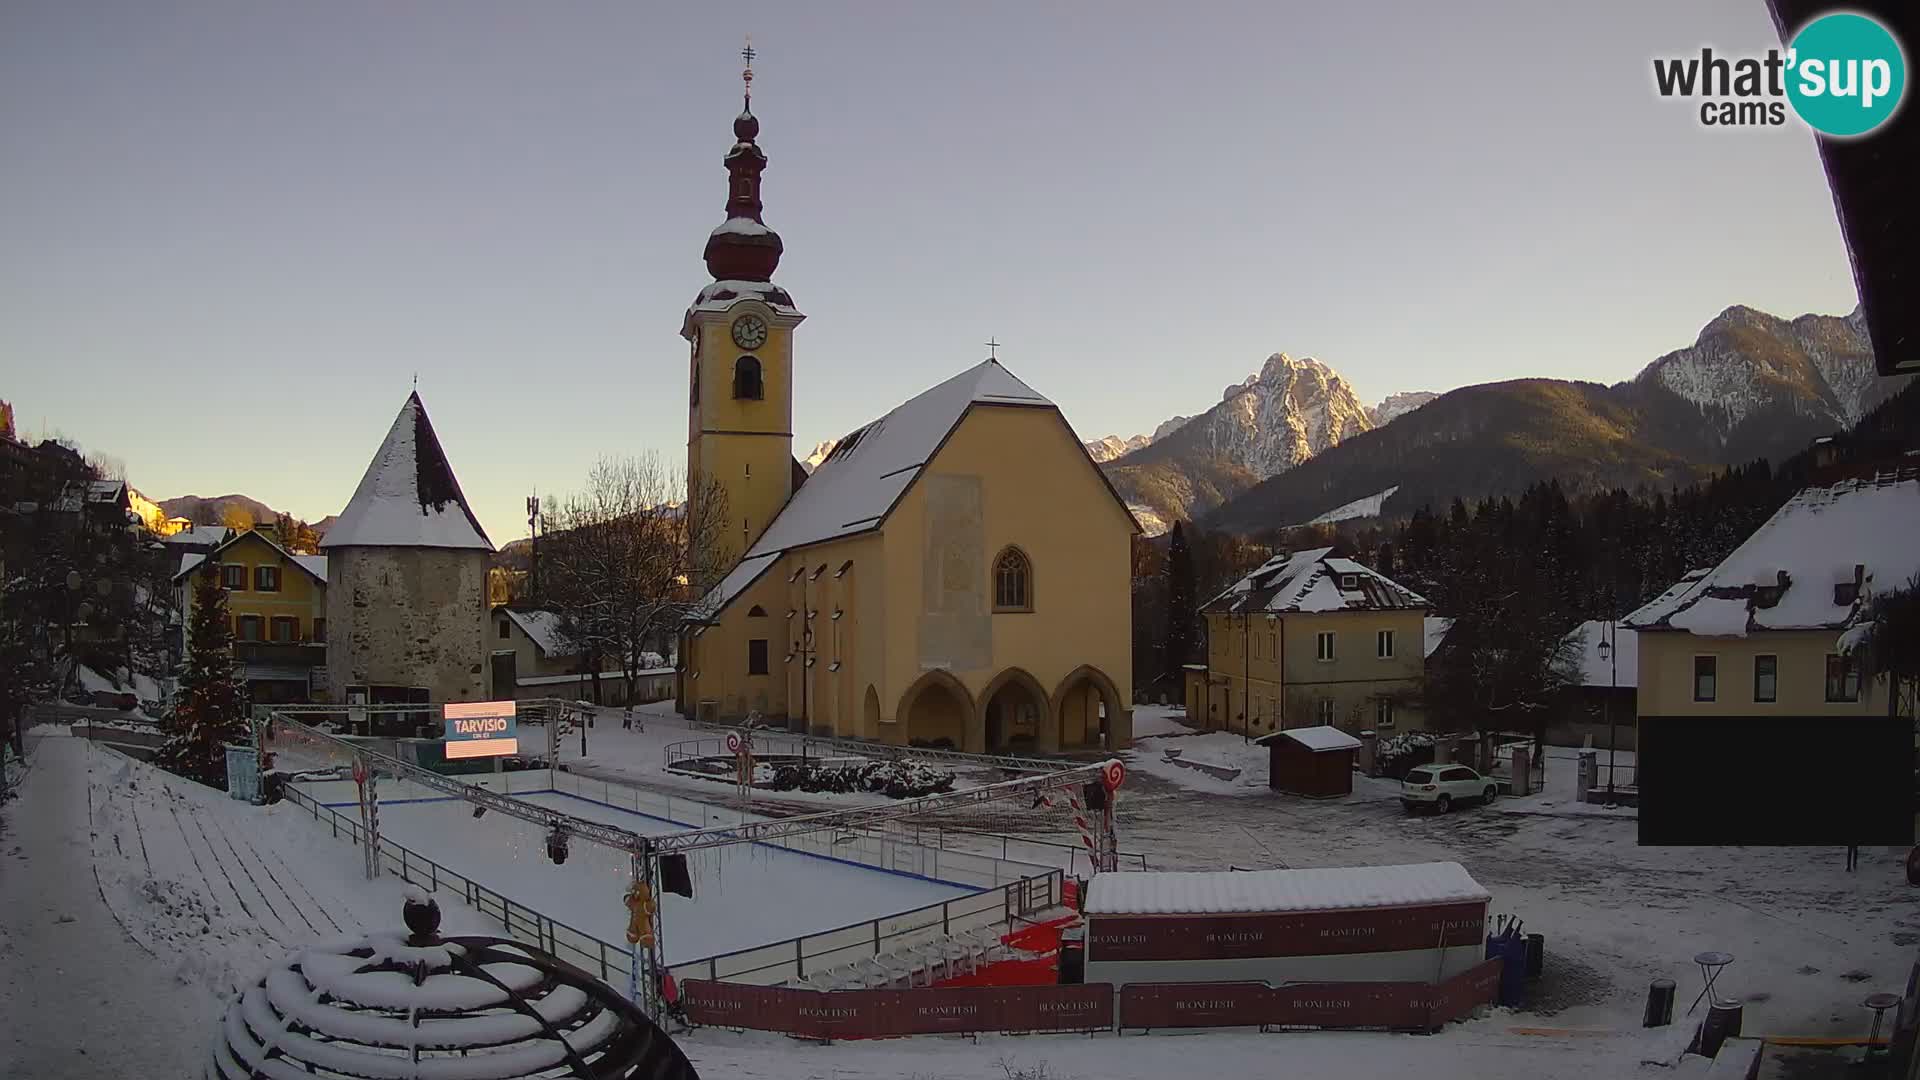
x=105, y=491
x=1622, y=668
x=199, y=534
x=741, y=226
x=312, y=564
x=721, y=295
x=544, y=629
x=853, y=490
x=1310, y=581
x=409, y=496
x=1436, y=631
x=1317, y=738
x=1783, y=577
x=1148, y=892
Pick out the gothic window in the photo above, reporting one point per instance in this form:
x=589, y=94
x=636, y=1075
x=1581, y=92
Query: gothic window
x=1012, y=581
x=756, y=612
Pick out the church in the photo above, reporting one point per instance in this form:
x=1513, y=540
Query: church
x=956, y=573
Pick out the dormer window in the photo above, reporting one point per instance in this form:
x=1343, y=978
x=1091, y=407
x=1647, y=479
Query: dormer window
x=1349, y=582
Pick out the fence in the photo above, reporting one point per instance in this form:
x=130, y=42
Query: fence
x=1011, y=891
x=864, y=748
x=852, y=1014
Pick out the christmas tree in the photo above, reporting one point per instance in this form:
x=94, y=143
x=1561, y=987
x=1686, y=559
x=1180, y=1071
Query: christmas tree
x=211, y=710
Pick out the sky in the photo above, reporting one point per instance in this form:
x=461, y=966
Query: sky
x=234, y=232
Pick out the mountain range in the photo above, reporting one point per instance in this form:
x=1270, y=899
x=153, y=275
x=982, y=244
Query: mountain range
x=220, y=509
x=1750, y=386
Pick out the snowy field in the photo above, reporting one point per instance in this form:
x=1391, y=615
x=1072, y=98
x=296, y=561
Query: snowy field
x=745, y=895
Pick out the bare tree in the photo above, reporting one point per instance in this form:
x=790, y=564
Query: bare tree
x=625, y=560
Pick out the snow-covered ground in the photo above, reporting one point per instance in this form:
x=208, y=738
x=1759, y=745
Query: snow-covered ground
x=129, y=901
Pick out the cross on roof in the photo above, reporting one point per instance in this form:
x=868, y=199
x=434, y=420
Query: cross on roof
x=993, y=349
x=748, y=54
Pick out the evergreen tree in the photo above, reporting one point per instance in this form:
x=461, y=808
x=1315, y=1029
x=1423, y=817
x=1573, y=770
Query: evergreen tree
x=1180, y=636
x=211, y=709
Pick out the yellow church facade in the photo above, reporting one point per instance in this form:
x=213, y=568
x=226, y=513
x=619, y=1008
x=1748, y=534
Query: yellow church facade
x=955, y=573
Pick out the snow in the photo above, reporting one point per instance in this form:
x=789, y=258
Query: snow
x=1151, y=523
x=544, y=628
x=1436, y=632
x=855, y=487
x=1317, y=738
x=741, y=226
x=390, y=508
x=1146, y=892
x=1816, y=539
x=721, y=295
x=199, y=535
x=1309, y=581
x=731, y=884
x=86, y=998
x=1152, y=720
x=1226, y=749
x=312, y=564
x=1620, y=669
x=1367, y=507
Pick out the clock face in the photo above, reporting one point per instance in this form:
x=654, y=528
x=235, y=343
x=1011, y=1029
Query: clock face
x=749, y=332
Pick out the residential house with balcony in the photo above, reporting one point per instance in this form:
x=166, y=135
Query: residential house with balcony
x=1311, y=638
x=277, y=610
x=530, y=656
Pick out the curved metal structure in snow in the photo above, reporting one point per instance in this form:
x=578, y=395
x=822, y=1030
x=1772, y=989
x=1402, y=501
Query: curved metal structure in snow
x=397, y=1007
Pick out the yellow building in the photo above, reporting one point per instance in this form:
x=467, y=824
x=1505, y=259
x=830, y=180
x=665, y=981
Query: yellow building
x=954, y=573
x=276, y=609
x=1761, y=633
x=1310, y=638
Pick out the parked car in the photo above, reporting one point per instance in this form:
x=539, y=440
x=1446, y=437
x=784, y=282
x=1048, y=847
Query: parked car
x=1441, y=786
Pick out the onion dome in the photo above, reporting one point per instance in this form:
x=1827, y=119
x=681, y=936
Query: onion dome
x=395, y=1006
x=742, y=248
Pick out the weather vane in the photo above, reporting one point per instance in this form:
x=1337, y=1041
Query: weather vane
x=746, y=76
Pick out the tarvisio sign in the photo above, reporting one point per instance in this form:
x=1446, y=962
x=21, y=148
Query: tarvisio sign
x=481, y=729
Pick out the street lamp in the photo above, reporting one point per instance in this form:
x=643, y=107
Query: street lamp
x=1612, y=656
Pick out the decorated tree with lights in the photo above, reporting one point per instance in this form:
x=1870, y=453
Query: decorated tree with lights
x=210, y=711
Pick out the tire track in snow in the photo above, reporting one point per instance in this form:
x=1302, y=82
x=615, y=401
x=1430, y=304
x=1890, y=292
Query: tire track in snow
x=247, y=873
x=212, y=889
x=267, y=870
x=318, y=905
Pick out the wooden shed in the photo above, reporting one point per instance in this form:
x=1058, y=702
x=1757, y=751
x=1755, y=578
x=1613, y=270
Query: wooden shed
x=1316, y=762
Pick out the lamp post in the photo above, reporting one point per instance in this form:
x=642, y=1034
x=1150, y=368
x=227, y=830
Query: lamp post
x=1611, y=654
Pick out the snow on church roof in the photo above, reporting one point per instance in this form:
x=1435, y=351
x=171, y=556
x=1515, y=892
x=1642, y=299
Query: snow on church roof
x=1158, y=892
x=1815, y=540
x=858, y=483
x=409, y=496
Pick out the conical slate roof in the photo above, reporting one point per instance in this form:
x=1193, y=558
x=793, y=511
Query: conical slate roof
x=409, y=497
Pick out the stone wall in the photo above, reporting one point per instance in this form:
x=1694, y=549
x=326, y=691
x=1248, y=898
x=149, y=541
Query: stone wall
x=407, y=617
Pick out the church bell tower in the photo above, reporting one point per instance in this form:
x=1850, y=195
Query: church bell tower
x=740, y=370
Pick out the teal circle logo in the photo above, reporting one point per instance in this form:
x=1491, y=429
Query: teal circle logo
x=1846, y=74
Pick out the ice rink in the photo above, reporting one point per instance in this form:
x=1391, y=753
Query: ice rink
x=745, y=895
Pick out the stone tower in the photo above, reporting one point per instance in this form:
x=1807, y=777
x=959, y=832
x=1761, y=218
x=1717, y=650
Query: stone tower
x=740, y=332
x=407, y=577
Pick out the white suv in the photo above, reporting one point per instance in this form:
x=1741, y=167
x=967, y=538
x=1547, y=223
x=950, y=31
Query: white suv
x=1440, y=786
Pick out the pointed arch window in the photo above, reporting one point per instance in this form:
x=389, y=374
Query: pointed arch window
x=746, y=379
x=756, y=612
x=1012, y=581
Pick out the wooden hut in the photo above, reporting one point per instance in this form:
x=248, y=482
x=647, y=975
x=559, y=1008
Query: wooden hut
x=1316, y=762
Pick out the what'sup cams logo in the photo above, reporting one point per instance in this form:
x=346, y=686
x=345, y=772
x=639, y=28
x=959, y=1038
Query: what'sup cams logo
x=1843, y=75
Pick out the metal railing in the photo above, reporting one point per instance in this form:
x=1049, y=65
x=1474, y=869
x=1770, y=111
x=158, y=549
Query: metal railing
x=1011, y=891
x=612, y=962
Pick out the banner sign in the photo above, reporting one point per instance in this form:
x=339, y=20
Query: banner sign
x=866, y=1014
x=1307, y=933
x=481, y=729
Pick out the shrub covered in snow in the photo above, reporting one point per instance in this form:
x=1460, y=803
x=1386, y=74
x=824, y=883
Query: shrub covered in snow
x=1394, y=755
x=898, y=779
